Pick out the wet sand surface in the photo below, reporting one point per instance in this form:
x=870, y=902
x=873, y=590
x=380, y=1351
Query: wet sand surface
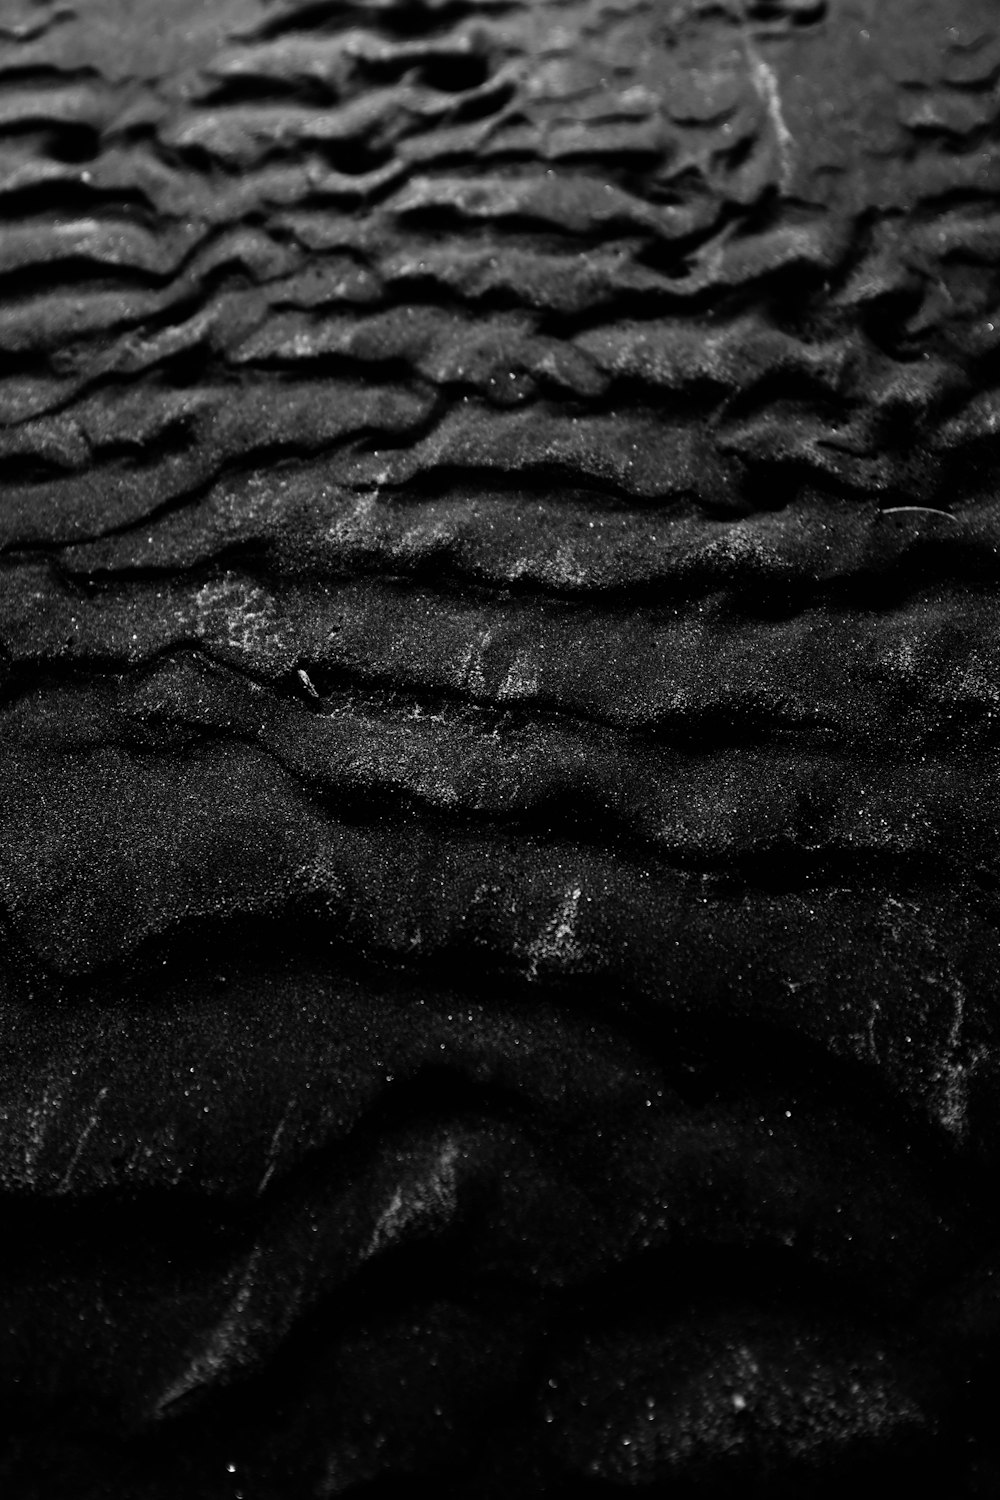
x=499, y=727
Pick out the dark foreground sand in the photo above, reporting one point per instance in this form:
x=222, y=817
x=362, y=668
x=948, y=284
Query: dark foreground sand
x=499, y=748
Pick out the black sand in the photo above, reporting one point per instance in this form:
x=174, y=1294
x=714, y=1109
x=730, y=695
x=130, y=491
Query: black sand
x=499, y=729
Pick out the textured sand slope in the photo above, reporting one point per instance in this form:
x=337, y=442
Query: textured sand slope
x=499, y=727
